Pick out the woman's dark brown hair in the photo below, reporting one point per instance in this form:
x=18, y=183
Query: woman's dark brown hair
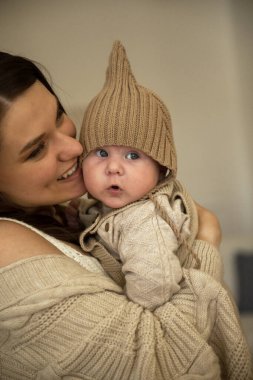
x=17, y=74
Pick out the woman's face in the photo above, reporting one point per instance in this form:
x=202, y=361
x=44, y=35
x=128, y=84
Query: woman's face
x=38, y=151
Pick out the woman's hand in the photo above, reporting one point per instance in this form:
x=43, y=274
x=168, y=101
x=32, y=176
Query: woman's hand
x=209, y=226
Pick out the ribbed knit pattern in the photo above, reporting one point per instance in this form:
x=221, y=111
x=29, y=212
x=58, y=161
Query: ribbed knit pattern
x=92, y=332
x=209, y=308
x=210, y=260
x=125, y=113
x=58, y=320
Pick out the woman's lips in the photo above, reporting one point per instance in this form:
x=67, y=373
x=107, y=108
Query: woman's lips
x=68, y=173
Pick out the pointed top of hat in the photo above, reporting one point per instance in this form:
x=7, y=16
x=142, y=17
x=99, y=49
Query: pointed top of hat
x=118, y=67
x=126, y=113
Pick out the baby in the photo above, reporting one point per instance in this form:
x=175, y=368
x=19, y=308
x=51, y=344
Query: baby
x=137, y=215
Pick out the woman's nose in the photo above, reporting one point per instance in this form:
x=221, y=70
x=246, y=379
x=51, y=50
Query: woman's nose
x=68, y=148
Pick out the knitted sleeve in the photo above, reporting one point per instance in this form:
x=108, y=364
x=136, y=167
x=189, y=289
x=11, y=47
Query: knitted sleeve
x=58, y=320
x=209, y=257
x=208, y=307
x=146, y=246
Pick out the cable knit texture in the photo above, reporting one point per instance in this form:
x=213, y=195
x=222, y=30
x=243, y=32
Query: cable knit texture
x=114, y=226
x=60, y=321
x=143, y=241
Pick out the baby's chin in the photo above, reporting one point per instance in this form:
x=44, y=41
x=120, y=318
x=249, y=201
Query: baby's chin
x=114, y=203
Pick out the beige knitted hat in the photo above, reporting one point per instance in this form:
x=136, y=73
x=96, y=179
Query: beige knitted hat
x=125, y=113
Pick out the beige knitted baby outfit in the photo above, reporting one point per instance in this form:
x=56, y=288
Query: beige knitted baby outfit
x=125, y=113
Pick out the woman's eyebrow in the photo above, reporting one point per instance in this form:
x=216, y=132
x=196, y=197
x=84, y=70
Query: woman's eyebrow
x=32, y=143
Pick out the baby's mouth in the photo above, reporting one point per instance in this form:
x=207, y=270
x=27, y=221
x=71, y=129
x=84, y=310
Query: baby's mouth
x=114, y=188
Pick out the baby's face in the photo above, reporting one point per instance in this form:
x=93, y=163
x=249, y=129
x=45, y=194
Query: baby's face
x=119, y=175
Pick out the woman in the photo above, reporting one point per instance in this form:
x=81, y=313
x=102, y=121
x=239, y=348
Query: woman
x=61, y=315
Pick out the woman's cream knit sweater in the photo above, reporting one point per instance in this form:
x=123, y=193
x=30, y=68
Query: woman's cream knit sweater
x=60, y=321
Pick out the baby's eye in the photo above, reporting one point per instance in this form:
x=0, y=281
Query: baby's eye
x=132, y=156
x=101, y=153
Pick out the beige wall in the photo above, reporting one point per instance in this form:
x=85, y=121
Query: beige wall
x=196, y=54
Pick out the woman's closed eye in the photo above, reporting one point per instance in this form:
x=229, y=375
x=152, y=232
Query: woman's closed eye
x=37, y=150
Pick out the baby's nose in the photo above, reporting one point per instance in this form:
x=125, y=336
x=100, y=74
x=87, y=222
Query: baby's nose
x=114, y=167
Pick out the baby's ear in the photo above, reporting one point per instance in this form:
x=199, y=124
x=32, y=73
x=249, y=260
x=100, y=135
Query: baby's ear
x=164, y=172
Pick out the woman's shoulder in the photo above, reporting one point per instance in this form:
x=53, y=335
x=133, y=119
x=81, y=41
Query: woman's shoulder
x=18, y=241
